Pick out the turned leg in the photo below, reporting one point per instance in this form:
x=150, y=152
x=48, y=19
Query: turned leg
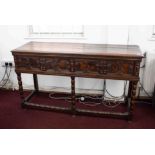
x=73, y=94
x=20, y=88
x=35, y=80
x=128, y=97
x=132, y=91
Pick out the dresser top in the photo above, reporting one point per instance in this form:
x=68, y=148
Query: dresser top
x=52, y=48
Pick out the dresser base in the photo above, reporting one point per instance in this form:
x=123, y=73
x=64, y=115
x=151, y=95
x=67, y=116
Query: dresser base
x=100, y=61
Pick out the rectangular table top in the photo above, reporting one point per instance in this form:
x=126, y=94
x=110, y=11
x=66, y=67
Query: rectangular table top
x=103, y=50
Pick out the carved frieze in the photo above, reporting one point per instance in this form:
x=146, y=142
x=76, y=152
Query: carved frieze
x=137, y=68
x=77, y=65
x=43, y=64
x=104, y=66
x=121, y=67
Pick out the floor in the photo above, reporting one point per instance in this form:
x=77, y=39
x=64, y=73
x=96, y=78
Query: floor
x=12, y=116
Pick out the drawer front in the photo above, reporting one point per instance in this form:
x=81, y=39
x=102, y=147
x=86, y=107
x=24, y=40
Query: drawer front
x=42, y=64
x=106, y=68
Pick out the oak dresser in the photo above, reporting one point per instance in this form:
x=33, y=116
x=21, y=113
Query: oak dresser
x=103, y=61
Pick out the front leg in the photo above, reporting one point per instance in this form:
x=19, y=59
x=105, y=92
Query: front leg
x=35, y=80
x=73, y=94
x=133, y=96
x=21, y=92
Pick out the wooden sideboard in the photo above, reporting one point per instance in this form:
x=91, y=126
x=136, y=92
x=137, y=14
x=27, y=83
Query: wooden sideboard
x=104, y=61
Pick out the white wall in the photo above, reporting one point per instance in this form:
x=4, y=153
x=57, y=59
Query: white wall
x=13, y=36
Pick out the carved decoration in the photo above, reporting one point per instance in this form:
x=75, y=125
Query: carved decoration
x=86, y=66
x=72, y=65
x=42, y=63
x=73, y=97
x=20, y=87
x=133, y=95
x=137, y=68
x=80, y=66
x=121, y=67
x=104, y=66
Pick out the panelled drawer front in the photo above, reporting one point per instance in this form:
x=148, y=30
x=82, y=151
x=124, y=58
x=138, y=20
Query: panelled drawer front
x=42, y=64
x=106, y=67
x=78, y=66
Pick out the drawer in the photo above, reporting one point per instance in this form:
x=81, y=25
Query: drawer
x=107, y=67
x=42, y=64
x=99, y=68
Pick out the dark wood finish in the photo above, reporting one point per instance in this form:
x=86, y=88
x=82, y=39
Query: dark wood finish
x=21, y=92
x=27, y=98
x=35, y=80
x=119, y=62
x=133, y=96
x=73, y=94
x=124, y=115
x=79, y=49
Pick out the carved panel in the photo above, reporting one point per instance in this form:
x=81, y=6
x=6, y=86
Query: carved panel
x=121, y=67
x=104, y=66
x=137, y=68
x=43, y=64
x=86, y=66
x=78, y=66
